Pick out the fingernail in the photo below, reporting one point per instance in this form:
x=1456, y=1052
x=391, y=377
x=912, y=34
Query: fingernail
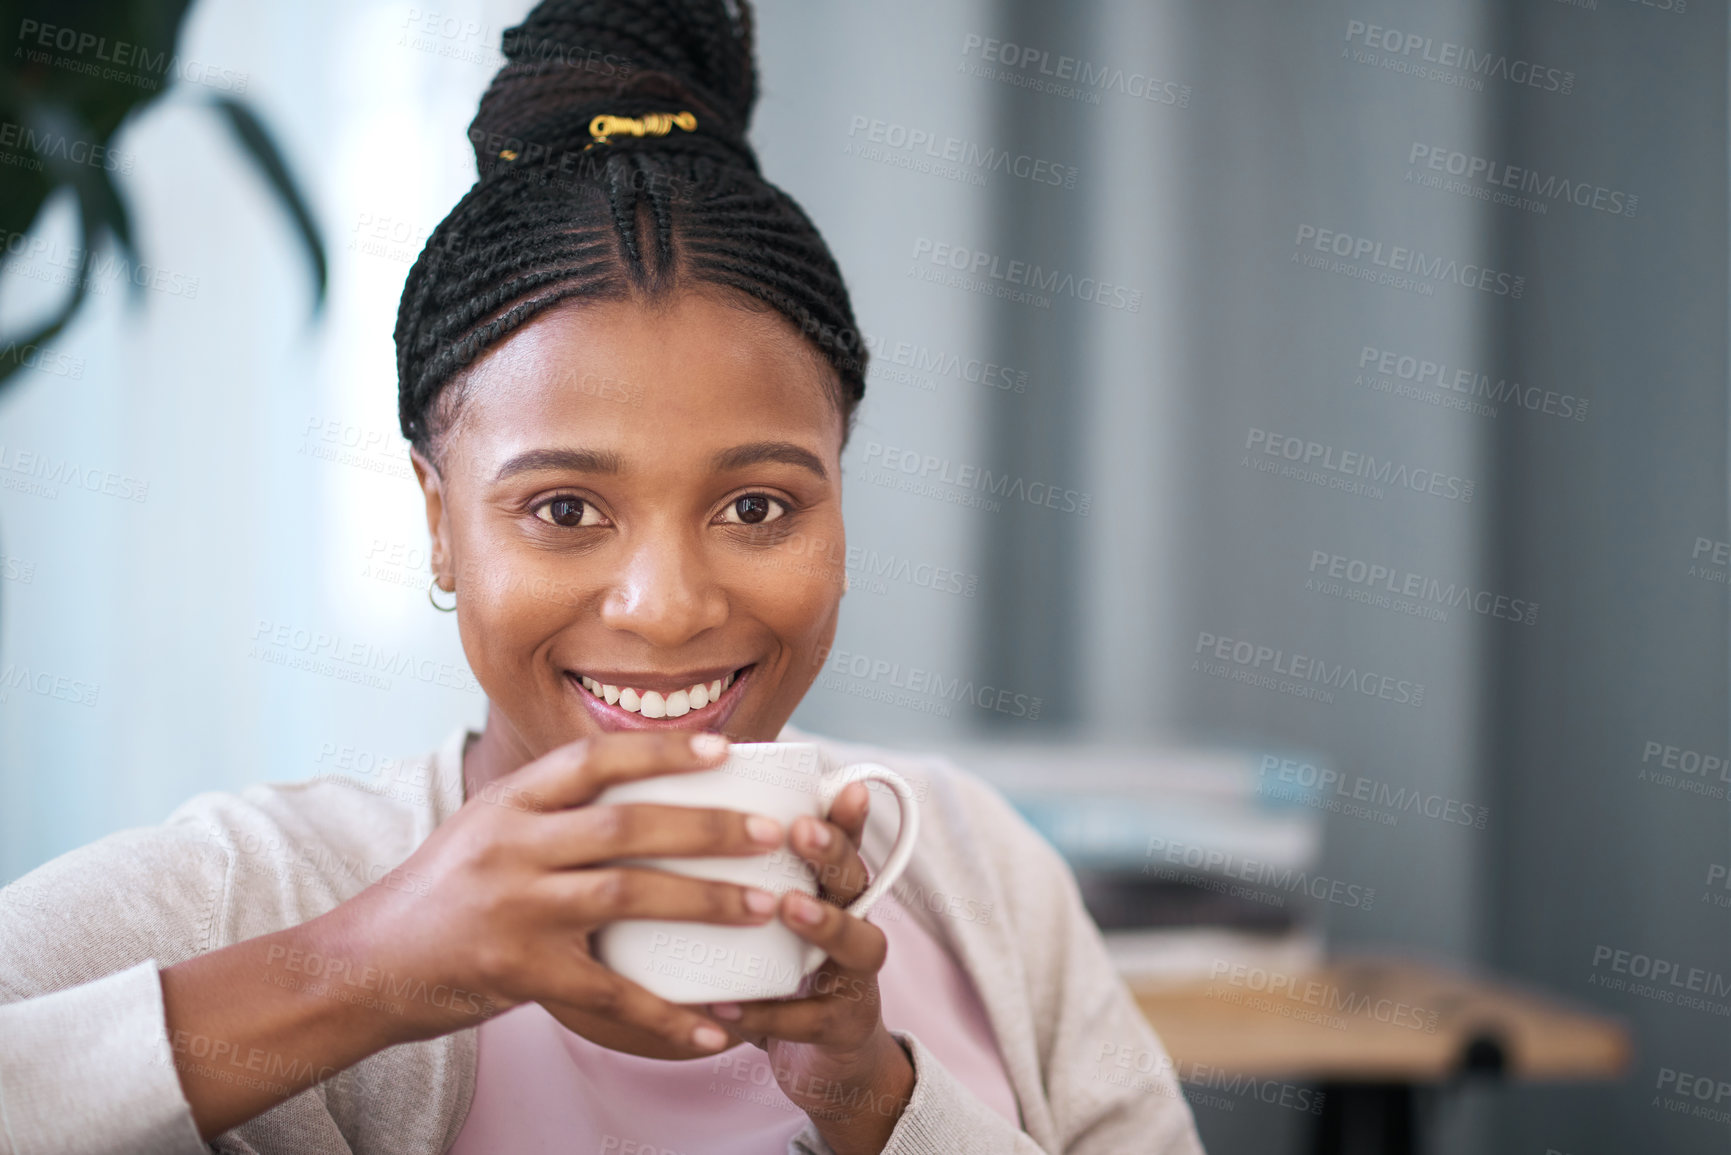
x=817, y=832
x=806, y=909
x=708, y=1037
x=759, y=901
x=708, y=745
x=728, y=1011
x=764, y=830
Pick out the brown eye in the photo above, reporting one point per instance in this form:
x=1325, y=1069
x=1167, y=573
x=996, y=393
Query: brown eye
x=753, y=509
x=568, y=512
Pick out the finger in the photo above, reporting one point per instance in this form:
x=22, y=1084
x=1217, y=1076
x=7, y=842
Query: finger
x=616, y=1006
x=842, y=1011
x=852, y=944
x=761, y=1042
x=600, y=832
x=589, y=898
x=850, y=809
x=841, y=873
x=577, y=772
x=612, y=1034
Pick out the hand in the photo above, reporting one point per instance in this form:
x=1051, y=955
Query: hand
x=509, y=891
x=828, y=1047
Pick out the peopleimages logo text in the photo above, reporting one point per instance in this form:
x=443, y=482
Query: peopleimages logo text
x=1449, y=54
x=918, y=680
x=941, y=363
x=1085, y=76
x=1670, y=972
x=1471, y=383
x=929, y=468
x=45, y=467
x=1320, y=456
x=1499, y=175
x=1194, y=860
x=1375, y=576
x=360, y=655
x=119, y=60
x=955, y=150
x=979, y=263
x=46, y=684
x=1416, y=262
x=1303, y=668
x=59, y=146
x=1326, y=780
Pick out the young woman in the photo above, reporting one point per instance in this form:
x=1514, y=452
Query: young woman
x=627, y=368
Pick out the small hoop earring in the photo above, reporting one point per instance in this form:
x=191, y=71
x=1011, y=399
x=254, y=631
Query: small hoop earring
x=442, y=609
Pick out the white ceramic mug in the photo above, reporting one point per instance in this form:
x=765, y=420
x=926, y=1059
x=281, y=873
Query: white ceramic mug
x=700, y=962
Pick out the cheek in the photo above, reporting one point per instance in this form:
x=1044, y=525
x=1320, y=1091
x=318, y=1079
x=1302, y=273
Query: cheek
x=796, y=596
x=494, y=627
x=509, y=605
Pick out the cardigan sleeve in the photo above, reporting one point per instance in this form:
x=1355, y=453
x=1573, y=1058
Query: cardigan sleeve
x=1108, y=1085
x=88, y=1069
x=85, y=1059
x=942, y=1117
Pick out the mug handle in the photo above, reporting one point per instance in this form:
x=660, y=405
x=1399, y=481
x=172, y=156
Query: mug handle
x=900, y=853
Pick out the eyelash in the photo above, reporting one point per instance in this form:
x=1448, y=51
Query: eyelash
x=535, y=510
x=788, y=510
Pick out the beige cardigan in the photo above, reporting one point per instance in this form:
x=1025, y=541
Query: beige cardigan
x=85, y=1059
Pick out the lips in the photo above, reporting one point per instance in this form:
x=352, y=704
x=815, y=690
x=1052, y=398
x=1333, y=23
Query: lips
x=653, y=702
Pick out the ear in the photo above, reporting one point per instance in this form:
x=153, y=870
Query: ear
x=438, y=529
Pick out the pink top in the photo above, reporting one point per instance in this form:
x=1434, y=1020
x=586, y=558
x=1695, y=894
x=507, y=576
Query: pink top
x=542, y=1089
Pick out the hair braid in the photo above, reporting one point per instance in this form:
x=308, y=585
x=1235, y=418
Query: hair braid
x=548, y=222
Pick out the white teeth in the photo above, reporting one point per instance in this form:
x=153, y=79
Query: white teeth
x=652, y=703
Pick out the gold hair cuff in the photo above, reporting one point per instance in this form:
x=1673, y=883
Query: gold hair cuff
x=604, y=126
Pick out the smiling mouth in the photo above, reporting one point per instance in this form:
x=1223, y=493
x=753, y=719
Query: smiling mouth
x=705, y=700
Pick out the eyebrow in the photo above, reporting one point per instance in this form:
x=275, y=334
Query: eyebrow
x=759, y=452
x=604, y=461
x=579, y=460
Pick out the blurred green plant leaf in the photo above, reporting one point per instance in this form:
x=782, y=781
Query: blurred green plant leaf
x=257, y=142
x=72, y=73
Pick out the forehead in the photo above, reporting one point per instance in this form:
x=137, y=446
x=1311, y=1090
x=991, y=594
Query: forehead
x=695, y=369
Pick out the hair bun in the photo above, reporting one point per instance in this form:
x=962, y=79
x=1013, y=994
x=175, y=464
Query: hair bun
x=572, y=59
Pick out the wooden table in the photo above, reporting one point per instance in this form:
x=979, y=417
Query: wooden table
x=1375, y=1031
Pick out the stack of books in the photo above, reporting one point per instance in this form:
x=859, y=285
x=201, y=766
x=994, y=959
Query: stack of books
x=1188, y=859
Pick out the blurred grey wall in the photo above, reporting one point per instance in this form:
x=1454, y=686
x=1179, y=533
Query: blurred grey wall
x=1425, y=399
x=1601, y=723
x=855, y=100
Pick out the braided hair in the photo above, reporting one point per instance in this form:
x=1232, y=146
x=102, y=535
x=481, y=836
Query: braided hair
x=551, y=219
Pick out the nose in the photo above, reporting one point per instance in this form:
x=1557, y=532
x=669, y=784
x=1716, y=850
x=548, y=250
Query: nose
x=666, y=593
